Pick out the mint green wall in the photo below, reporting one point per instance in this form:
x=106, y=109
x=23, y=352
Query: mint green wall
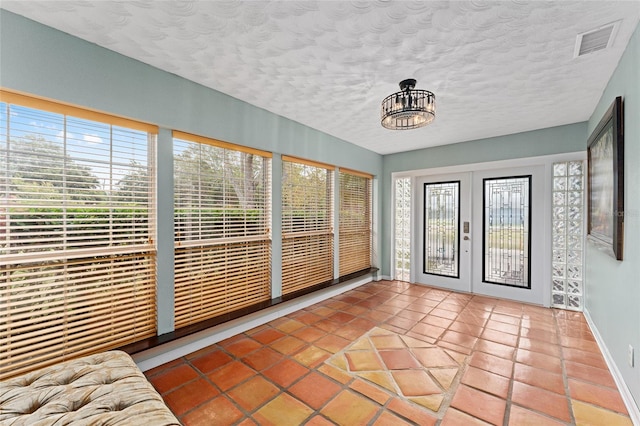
x=554, y=140
x=45, y=62
x=613, y=287
x=39, y=60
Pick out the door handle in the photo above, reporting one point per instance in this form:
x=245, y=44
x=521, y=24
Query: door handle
x=466, y=238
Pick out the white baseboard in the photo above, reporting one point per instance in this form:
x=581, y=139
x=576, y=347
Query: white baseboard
x=629, y=402
x=175, y=349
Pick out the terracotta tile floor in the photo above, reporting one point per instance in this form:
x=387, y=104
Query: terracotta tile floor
x=392, y=353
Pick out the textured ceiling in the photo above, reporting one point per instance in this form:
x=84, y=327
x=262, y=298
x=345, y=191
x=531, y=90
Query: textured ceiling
x=495, y=67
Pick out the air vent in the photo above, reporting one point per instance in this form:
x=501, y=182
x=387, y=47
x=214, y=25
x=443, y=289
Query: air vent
x=594, y=40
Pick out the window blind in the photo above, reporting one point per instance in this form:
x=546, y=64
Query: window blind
x=355, y=222
x=307, y=224
x=222, y=227
x=77, y=264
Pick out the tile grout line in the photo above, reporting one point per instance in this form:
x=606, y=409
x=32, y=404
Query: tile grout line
x=565, y=376
x=514, y=356
x=403, y=296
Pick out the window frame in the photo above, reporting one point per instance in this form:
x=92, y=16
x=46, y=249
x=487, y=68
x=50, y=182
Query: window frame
x=87, y=293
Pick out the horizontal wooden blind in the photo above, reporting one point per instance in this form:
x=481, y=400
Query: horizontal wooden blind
x=306, y=261
x=307, y=225
x=355, y=228
x=77, y=264
x=15, y=98
x=214, y=279
x=66, y=309
x=222, y=228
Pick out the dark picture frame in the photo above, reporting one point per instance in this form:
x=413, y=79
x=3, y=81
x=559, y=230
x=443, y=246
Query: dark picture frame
x=605, y=186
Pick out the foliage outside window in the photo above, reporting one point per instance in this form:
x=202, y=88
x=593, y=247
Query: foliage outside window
x=77, y=268
x=78, y=224
x=222, y=228
x=307, y=224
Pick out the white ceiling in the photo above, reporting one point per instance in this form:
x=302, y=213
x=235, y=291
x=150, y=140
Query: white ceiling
x=496, y=68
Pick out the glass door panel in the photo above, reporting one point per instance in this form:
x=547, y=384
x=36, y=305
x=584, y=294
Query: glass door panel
x=443, y=210
x=508, y=238
x=483, y=232
x=506, y=223
x=441, y=226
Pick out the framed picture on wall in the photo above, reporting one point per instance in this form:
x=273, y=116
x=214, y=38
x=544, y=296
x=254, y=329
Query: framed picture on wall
x=605, y=212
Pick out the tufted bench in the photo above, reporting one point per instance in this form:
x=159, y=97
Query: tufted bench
x=102, y=389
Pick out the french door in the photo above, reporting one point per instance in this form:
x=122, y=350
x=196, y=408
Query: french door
x=482, y=232
x=443, y=215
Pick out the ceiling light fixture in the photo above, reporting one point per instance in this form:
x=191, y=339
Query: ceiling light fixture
x=409, y=108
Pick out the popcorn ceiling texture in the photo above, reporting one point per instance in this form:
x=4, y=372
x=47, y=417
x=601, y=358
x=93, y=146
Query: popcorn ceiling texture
x=496, y=67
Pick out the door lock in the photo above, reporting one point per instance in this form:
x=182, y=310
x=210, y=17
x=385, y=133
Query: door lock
x=465, y=227
x=466, y=238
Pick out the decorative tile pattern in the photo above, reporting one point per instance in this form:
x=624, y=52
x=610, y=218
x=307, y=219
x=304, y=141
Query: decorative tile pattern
x=491, y=362
x=414, y=370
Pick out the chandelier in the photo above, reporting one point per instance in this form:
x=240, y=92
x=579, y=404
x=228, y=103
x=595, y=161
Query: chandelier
x=409, y=108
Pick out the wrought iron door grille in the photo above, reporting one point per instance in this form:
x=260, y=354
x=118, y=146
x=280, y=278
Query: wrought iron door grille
x=441, y=229
x=506, y=231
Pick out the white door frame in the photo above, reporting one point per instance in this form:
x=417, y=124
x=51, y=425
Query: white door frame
x=546, y=161
x=539, y=283
x=463, y=281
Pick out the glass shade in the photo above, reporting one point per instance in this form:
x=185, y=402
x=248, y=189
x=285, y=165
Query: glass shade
x=408, y=109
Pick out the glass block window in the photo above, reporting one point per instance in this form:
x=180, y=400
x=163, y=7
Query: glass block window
x=402, y=241
x=568, y=235
x=506, y=231
x=441, y=224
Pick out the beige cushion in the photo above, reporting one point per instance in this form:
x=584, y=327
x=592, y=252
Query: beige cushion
x=101, y=389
